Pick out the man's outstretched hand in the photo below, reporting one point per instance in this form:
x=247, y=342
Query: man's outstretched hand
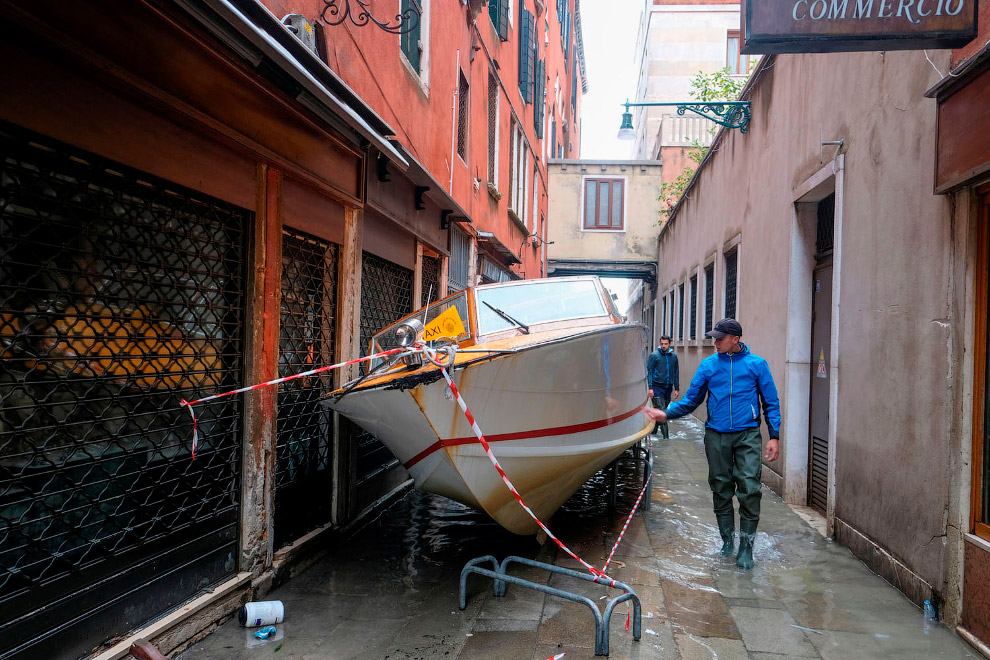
x=655, y=415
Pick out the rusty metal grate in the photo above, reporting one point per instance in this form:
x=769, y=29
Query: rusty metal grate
x=825, y=229
x=431, y=280
x=386, y=296
x=709, y=295
x=459, y=262
x=304, y=442
x=463, y=97
x=731, y=272
x=493, y=92
x=120, y=294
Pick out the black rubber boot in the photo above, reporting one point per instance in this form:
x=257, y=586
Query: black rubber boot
x=745, y=557
x=727, y=530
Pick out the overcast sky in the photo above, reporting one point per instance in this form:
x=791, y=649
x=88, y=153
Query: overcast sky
x=609, y=29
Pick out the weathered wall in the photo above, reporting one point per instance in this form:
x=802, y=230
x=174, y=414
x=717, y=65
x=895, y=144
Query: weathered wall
x=895, y=360
x=637, y=242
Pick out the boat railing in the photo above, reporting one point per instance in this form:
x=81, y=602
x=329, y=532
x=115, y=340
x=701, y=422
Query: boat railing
x=385, y=339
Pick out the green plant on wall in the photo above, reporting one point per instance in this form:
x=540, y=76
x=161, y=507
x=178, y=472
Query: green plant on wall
x=706, y=88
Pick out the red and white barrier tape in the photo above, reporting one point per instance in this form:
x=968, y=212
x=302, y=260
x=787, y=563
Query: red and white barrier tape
x=625, y=527
x=190, y=404
x=512, y=489
x=619, y=540
x=432, y=355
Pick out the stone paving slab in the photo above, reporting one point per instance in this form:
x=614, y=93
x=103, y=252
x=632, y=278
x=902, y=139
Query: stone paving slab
x=392, y=591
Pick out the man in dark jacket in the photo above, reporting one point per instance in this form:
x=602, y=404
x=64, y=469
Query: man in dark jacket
x=665, y=378
x=736, y=383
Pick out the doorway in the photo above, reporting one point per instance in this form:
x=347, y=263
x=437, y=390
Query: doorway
x=821, y=346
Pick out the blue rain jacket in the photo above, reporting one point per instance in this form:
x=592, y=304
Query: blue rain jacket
x=736, y=385
x=662, y=369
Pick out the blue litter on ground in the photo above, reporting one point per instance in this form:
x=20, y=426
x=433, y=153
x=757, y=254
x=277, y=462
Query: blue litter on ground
x=263, y=633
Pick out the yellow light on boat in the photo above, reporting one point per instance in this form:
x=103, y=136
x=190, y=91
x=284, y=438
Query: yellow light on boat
x=406, y=332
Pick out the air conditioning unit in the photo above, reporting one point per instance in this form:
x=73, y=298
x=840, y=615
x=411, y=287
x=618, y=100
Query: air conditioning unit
x=298, y=25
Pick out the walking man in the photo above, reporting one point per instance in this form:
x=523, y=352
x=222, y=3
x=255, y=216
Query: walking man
x=736, y=382
x=664, y=375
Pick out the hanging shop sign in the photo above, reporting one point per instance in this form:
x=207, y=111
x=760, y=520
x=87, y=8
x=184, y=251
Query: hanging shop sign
x=825, y=26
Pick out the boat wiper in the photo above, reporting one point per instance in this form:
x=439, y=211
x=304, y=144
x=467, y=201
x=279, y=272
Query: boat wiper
x=522, y=326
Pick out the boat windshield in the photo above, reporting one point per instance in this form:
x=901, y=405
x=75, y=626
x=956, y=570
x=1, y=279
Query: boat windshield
x=530, y=303
x=384, y=339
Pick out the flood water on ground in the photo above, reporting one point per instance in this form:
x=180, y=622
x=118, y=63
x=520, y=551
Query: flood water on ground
x=392, y=590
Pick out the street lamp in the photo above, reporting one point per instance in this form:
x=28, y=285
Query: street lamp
x=731, y=114
x=626, y=130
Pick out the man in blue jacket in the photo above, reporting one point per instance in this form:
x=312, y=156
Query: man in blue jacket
x=736, y=382
x=665, y=377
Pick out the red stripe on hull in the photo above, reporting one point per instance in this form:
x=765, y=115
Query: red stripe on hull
x=524, y=435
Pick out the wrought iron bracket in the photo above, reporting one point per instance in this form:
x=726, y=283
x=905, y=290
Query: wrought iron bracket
x=382, y=166
x=418, y=202
x=336, y=12
x=731, y=114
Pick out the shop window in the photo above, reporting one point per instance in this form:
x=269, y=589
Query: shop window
x=731, y=285
x=463, y=95
x=603, y=203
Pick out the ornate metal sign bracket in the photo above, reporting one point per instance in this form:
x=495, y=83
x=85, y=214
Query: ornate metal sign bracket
x=731, y=114
x=336, y=12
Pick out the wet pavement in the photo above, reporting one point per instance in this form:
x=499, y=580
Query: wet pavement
x=392, y=592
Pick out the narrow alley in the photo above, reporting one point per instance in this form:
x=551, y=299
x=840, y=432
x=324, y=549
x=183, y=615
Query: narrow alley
x=392, y=592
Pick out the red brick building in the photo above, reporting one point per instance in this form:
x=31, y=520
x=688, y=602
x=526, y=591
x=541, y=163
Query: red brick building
x=479, y=96
x=193, y=198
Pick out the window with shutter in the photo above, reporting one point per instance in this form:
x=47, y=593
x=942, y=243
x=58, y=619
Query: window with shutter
x=539, y=104
x=680, y=311
x=574, y=87
x=498, y=11
x=410, y=41
x=527, y=62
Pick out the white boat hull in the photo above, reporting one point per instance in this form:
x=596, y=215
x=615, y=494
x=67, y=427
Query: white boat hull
x=554, y=414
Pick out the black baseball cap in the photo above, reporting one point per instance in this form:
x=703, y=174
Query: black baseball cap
x=725, y=327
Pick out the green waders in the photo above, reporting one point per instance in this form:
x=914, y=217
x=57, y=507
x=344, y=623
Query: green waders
x=734, y=469
x=660, y=403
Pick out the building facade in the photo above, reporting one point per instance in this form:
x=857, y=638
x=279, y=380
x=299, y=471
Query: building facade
x=857, y=267
x=196, y=195
x=677, y=40
x=604, y=221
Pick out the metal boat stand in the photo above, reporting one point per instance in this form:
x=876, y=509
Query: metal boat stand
x=641, y=452
x=501, y=577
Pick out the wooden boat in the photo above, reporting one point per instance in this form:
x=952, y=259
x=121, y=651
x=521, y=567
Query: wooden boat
x=554, y=376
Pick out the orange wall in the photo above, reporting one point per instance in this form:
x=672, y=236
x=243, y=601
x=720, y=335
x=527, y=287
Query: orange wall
x=983, y=26
x=369, y=60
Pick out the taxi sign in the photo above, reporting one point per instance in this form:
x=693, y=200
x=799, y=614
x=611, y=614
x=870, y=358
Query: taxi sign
x=448, y=325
